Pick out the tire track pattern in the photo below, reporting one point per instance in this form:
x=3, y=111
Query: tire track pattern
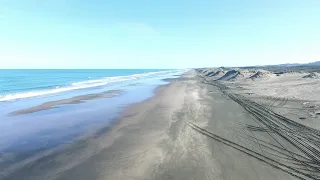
x=301, y=160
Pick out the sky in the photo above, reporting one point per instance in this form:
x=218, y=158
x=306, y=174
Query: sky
x=157, y=33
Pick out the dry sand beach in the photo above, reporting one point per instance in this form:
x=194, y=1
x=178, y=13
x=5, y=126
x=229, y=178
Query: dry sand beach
x=239, y=124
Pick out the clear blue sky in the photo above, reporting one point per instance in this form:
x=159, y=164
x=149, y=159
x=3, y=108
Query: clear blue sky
x=157, y=33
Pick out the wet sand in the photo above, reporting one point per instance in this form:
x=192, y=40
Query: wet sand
x=193, y=128
x=73, y=100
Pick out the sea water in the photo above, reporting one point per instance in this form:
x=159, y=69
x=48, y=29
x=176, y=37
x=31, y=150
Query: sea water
x=20, y=84
x=28, y=133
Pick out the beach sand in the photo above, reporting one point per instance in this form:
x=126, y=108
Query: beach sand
x=193, y=128
x=73, y=100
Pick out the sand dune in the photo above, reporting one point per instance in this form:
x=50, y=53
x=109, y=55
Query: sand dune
x=230, y=75
x=236, y=74
x=260, y=75
x=312, y=75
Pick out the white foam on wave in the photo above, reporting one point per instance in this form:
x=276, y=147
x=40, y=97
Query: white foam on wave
x=83, y=85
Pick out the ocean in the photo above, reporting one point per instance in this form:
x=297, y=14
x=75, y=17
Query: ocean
x=27, y=134
x=19, y=84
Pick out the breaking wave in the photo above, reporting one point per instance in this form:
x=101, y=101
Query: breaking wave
x=84, y=84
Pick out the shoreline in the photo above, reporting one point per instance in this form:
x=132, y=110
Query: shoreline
x=189, y=129
x=50, y=120
x=90, y=135
x=89, y=139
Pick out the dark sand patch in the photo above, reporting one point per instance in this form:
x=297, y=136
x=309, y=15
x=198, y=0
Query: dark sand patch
x=73, y=100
